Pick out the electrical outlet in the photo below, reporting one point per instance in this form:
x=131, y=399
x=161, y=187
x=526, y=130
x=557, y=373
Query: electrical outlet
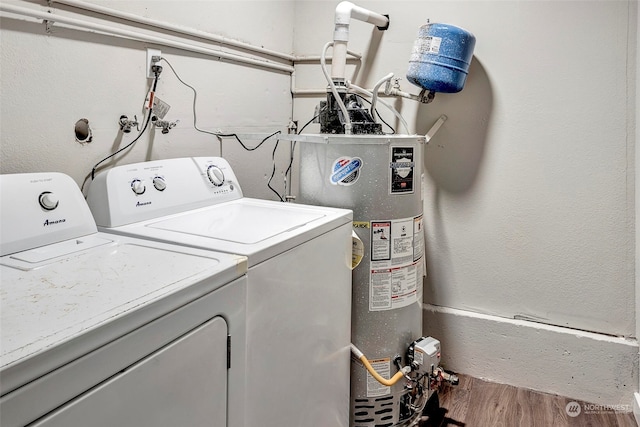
x=151, y=55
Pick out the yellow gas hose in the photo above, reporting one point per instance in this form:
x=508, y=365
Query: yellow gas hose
x=388, y=382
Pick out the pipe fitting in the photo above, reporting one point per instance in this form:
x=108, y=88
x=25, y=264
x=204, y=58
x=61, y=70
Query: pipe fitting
x=126, y=125
x=165, y=125
x=345, y=11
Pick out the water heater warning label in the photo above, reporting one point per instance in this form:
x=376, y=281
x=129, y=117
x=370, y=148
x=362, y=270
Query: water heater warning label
x=380, y=240
x=401, y=169
x=374, y=388
x=397, y=251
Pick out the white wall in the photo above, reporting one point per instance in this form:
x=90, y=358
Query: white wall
x=529, y=207
x=51, y=80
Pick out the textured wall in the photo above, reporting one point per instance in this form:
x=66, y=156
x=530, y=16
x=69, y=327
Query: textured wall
x=529, y=205
x=50, y=80
x=529, y=186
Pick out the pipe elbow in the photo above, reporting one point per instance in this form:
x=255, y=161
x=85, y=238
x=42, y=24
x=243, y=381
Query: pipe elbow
x=343, y=12
x=342, y=20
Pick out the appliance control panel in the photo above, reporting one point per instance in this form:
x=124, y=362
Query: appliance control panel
x=425, y=354
x=142, y=191
x=40, y=209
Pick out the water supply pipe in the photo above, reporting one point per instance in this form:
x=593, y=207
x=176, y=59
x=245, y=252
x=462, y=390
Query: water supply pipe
x=143, y=37
x=80, y=4
x=337, y=81
x=345, y=11
x=374, y=91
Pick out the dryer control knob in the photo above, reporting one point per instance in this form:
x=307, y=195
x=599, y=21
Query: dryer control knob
x=159, y=183
x=215, y=175
x=138, y=186
x=48, y=201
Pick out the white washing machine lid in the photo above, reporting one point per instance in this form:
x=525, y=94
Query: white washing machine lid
x=66, y=299
x=258, y=229
x=246, y=223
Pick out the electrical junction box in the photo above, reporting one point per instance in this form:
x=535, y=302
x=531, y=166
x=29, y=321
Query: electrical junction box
x=153, y=56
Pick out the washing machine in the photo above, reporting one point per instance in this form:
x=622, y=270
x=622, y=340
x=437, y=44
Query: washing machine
x=106, y=330
x=298, y=281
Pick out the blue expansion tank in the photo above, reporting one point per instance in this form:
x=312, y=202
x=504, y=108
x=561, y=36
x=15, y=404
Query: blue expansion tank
x=440, y=58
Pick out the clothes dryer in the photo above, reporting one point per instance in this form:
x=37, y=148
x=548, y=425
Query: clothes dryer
x=299, y=277
x=105, y=330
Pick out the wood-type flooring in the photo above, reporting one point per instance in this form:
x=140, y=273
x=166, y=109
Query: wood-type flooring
x=478, y=403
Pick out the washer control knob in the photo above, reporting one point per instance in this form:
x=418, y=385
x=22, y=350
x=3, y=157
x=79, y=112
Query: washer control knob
x=138, y=186
x=48, y=201
x=159, y=183
x=215, y=175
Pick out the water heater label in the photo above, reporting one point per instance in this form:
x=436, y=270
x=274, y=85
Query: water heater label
x=396, y=268
x=418, y=238
x=345, y=170
x=374, y=388
x=401, y=169
x=380, y=240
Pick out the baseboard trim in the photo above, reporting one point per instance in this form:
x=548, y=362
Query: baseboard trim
x=581, y=365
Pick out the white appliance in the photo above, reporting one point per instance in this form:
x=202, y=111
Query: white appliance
x=299, y=278
x=105, y=330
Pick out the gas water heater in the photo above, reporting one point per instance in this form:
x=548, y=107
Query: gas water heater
x=378, y=177
x=352, y=164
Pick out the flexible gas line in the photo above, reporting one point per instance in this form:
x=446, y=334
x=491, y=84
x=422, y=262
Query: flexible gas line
x=388, y=382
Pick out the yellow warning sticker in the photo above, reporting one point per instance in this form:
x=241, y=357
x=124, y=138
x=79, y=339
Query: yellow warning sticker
x=357, y=250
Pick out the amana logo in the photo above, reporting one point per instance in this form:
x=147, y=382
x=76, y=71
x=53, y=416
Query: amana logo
x=142, y=203
x=53, y=222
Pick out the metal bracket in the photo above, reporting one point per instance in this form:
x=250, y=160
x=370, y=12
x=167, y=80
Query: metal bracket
x=435, y=128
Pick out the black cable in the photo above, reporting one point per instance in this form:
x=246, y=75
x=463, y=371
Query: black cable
x=195, y=97
x=309, y=122
x=93, y=171
x=144, y=128
x=393, y=131
x=273, y=171
x=231, y=135
x=293, y=147
x=195, y=117
x=378, y=114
